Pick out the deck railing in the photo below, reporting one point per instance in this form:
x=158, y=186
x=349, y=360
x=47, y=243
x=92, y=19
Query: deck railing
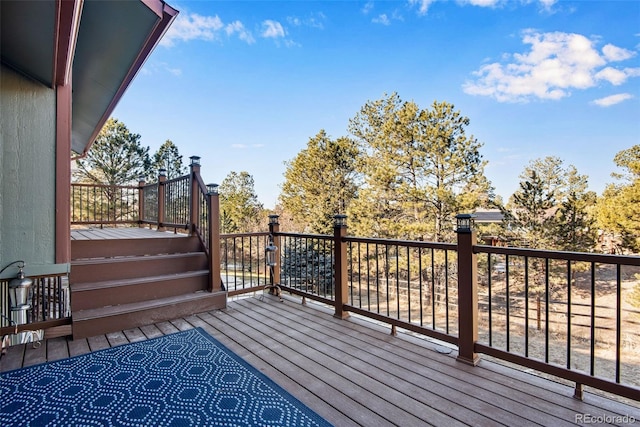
x=561, y=313
x=103, y=204
x=49, y=306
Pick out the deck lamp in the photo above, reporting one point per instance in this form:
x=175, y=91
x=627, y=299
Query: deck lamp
x=270, y=253
x=212, y=188
x=340, y=220
x=19, y=288
x=162, y=172
x=273, y=219
x=195, y=160
x=464, y=223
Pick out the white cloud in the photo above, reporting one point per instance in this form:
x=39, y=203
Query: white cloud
x=381, y=19
x=482, y=3
x=192, y=27
x=238, y=28
x=272, y=29
x=608, y=101
x=612, y=75
x=368, y=7
x=614, y=53
x=316, y=20
x=239, y=146
x=423, y=5
x=555, y=64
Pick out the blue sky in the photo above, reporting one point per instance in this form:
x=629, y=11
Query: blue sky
x=245, y=85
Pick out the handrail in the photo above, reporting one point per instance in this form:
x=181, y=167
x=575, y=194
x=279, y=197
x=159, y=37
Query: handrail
x=418, y=286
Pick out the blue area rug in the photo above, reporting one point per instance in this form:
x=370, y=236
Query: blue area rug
x=183, y=379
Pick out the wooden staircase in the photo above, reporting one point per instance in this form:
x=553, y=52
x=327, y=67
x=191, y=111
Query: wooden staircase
x=125, y=283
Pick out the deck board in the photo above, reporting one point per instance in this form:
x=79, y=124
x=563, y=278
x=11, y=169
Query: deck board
x=121, y=233
x=353, y=372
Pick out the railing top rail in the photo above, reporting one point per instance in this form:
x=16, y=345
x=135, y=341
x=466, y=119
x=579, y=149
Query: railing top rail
x=409, y=243
x=82, y=184
x=201, y=184
x=234, y=235
x=561, y=255
x=306, y=236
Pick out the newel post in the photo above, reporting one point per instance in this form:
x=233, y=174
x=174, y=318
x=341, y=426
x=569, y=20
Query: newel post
x=467, y=290
x=141, y=183
x=215, y=282
x=274, y=237
x=340, y=266
x=162, y=178
x=194, y=208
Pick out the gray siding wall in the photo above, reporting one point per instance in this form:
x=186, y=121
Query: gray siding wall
x=27, y=173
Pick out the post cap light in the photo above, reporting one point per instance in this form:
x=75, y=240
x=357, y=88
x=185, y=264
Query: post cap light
x=273, y=219
x=212, y=188
x=195, y=160
x=340, y=220
x=464, y=223
x=162, y=172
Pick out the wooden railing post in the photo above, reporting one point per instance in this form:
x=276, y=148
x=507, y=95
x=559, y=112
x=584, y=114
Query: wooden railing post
x=141, y=184
x=214, y=237
x=162, y=178
x=340, y=266
x=274, y=229
x=194, y=208
x=467, y=291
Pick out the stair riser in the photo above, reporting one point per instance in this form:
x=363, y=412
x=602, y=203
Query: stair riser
x=104, y=325
x=125, y=294
x=117, y=269
x=82, y=249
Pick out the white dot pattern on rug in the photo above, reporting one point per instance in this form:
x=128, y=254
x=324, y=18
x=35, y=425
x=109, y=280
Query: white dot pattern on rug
x=182, y=379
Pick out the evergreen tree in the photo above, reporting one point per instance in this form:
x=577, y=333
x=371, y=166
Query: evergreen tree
x=531, y=207
x=169, y=158
x=320, y=182
x=553, y=209
x=419, y=167
x=619, y=207
x=115, y=158
x=239, y=206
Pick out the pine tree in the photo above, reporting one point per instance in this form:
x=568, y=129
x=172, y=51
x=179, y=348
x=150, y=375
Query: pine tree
x=239, y=205
x=115, y=158
x=619, y=207
x=168, y=157
x=419, y=169
x=320, y=182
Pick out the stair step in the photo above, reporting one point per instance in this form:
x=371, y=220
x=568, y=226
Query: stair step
x=107, y=269
x=115, y=292
x=103, y=320
x=85, y=249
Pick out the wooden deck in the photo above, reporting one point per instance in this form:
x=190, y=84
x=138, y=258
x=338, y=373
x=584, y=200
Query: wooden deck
x=353, y=372
x=97, y=233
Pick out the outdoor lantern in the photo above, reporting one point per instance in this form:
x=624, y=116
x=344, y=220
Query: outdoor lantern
x=464, y=223
x=212, y=188
x=162, y=172
x=19, y=290
x=340, y=220
x=195, y=160
x=273, y=219
x=270, y=254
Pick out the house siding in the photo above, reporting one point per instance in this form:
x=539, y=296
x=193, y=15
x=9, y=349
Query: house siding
x=27, y=174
